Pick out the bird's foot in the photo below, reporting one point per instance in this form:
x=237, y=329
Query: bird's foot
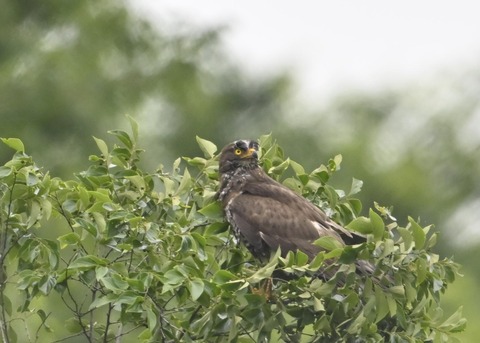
x=265, y=290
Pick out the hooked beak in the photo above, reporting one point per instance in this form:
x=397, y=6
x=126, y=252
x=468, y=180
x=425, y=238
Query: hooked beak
x=251, y=153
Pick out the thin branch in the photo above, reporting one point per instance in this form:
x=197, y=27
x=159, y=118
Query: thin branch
x=37, y=333
x=94, y=295
x=79, y=315
x=68, y=337
x=116, y=338
x=107, y=324
x=64, y=215
x=3, y=243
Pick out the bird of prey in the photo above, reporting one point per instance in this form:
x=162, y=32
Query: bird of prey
x=264, y=214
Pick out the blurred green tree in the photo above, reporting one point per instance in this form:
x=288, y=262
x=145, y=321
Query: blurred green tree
x=417, y=148
x=71, y=69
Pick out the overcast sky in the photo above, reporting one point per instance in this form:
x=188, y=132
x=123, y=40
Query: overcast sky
x=334, y=45
x=337, y=44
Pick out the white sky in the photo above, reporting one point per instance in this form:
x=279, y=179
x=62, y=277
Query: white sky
x=330, y=45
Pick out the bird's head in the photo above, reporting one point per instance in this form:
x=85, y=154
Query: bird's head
x=239, y=154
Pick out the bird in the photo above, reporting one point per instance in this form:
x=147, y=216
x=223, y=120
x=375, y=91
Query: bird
x=266, y=215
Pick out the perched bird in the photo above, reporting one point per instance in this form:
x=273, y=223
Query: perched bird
x=266, y=215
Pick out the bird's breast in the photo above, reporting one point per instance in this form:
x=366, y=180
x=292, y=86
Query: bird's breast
x=231, y=184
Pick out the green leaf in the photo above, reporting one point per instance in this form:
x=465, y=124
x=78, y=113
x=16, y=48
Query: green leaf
x=169, y=185
x=43, y=317
x=87, y=262
x=293, y=184
x=265, y=141
x=378, y=225
x=361, y=225
x=321, y=174
x=100, y=195
x=145, y=335
x=297, y=168
x=102, y=146
x=397, y=290
x=26, y=279
x=411, y=295
x=302, y=258
x=46, y=284
x=329, y=243
x=381, y=304
x=357, y=324
x=279, y=169
x=334, y=163
x=223, y=276
x=35, y=213
x=100, y=222
x=392, y=305
x=207, y=147
x=388, y=247
x=87, y=225
x=356, y=186
x=317, y=261
x=174, y=277
x=213, y=210
x=30, y=250
x=455, y=323
x=71, y=238
x=122, y=137
x=151, y=319
x=134, y=126
x=266, y=271
x=7, y=304
x=102, y=301
x=318, y=305
x=84, y=198
x=419, y=235
x=432, y=241
x=72, y=325
x=52, y=250
x=407, y=237
x=100, y=272
x=356, y=205
x=5, y=171
x=333, y=254
x=185, y=183
x=421, y=265
x=304, y=179
x=196, y=161
x=196, y=287
x=138, y=181
x=14, y=143
x=115, y=283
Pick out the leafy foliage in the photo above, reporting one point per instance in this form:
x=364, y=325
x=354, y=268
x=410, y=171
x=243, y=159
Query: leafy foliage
x=149, y=255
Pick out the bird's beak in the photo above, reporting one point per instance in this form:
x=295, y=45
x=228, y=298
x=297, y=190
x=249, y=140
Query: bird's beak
x=250, y=153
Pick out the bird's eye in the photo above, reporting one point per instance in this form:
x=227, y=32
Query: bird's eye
x=238, y=151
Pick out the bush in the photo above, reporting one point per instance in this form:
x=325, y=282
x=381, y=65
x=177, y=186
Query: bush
x=149, y=256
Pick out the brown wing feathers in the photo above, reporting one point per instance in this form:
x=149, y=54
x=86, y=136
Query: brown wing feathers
x=265, y=214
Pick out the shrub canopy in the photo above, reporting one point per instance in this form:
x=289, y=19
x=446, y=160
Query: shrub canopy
x=133, y=254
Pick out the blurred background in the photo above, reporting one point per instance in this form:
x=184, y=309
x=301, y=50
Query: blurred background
x=393, y=87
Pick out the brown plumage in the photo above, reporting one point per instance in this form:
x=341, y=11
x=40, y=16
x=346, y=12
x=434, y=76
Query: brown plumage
x=266, y=215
